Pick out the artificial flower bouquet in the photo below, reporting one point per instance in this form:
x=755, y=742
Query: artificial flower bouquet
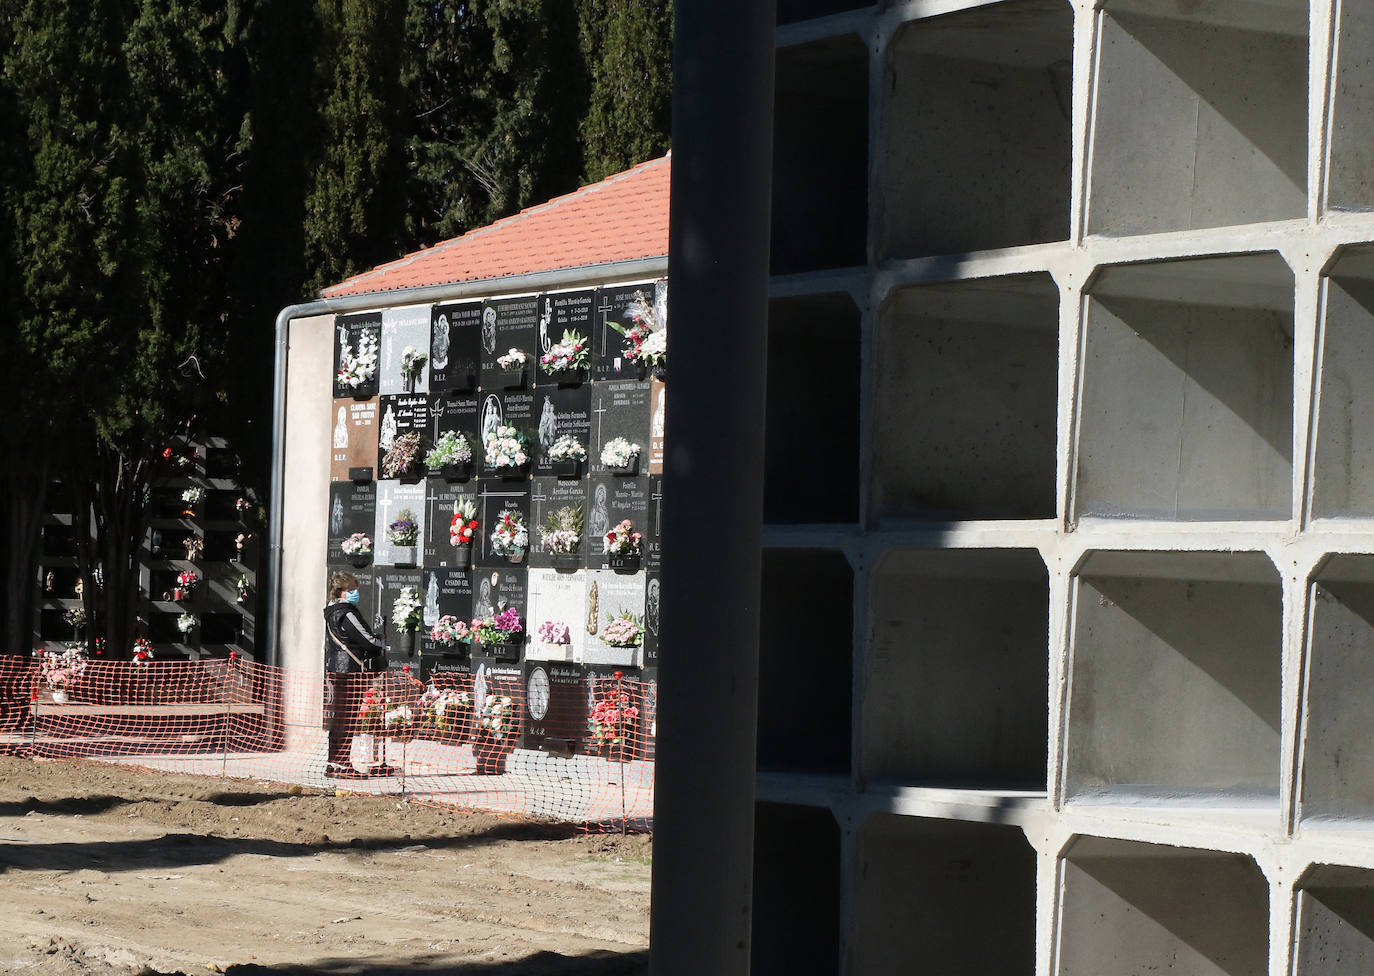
x=403, y=456
x=622, y=630
x=462, y=530
x=566, y=357
x=510, y=538
x=405, y=610
x=404, y=531
x=619, y=454
x=623, y=540
x=562, y=530
x=449, y=631
x=507, y=449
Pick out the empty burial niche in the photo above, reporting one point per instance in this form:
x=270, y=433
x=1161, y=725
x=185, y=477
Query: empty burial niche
x=1337, y=777
x=820, y=156
x=1335, y=922
x=1186, y=400
x=806, y=641
x=1174, y=685
x=1350, y=173
x=966, y=400
x=944, y=897
x=1128, y=908
x=811, y=444
x=976, y=135
x=957, y=669
x=796, y=907
x=1343, y=470
x=1199, y=115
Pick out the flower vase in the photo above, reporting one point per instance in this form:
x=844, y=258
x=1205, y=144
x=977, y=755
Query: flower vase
x=566, y=561
x=515, y=557
x=462, y=379
x=59, y=696
x=570, y=377
x=627, y=471
x=405, y=642
x=624, y=560
x=462, y=556
x=513, y=379
x=405, y=556
x=408, y=381
x=570, y=468
x=512, y=472
x=359, y=559
x=457, y=471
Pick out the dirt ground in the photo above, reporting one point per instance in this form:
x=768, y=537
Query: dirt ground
x=107, y=872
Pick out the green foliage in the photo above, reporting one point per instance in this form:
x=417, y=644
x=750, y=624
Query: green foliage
x=628, y=46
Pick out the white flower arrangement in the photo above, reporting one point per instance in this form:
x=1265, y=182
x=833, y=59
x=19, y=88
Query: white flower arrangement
x=187, y=622
x=401, y=716
x=358, y=544
x=515, y=359
x=619, y=453
x=511, y=537
x=405, y=611
x=412, y=360
x=358, y=369
x=193, y=496
x=496, y=715
x=567, y=448
x=566, y=356
x=654, y=348
x=451, y=448
x=562, y=530
x=507, y=447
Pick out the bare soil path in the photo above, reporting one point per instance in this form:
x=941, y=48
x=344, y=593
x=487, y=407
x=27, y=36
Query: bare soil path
x=106, y=871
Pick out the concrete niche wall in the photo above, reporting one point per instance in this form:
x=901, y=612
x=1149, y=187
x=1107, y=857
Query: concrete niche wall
x=967, y=380
x=796, y=906
x=1186, y=401
x=957, y=633
x=1335, y=922
x=976, y=148
x=1343, y=477
x=1338, y=749
x=1130, y=908
x=944, y=897
x=1200, y=115
x=820, y=156
x=1175, y=678
x=1350, y=175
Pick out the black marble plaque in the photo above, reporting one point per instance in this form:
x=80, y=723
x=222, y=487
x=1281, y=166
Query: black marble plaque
x=352, y=508
x=455, y=346
x=401, y=413
x=446, y=593
x=653, y=605
x=496, y=499
x=561, y=312
x=348, y=333
x=496, y=587
x=559, y=411
x=619, y=409
x=439, y=499
x=513, y=408
x=387, y=585
x=548, y=495
x=402, y=329
x=653, y=533
x=509, y=323
x=613, y=500
x=555, y=716
x=493, y=677
x=614, y=304
x=447, y=670
x=456, y=412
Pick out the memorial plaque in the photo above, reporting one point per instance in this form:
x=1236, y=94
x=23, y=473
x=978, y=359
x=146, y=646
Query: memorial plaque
x=352, y=508
x=548, y=495
x=496, y=499
x=509, y=323
x=658, y=401
x=493, y=677
x=494, y=589
x=456, y=413
x=386, y=587
x=617, y=304
x=561, y=411
x=354, y=437
x=446, y=671
x=624, y=498
x=555, y=713
x=355, y=336
x=560, y=312
x=514, y=408
x=455, y=346
x=393, y=498
x=653, y=532
x=402, y=329
x=601, y=683
x=439, y=499
x=619, y=409
x=608, y=595
x=558, y=597
x=400, y=414
x=447, y=593
x=653, y=604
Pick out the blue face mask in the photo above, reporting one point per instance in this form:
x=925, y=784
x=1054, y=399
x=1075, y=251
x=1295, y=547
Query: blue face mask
x=351, y=596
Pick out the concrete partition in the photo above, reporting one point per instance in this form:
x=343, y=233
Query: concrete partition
x=935, y=896
x=796, y=915
x=1343, y=475
x=1351, y=172
x=1186, y=404
x=977, y=146
x=967, y=376
x=1200, y=115
x=1131, y=908
x=1175, y=678
x=1335, y=934
x=958, y=633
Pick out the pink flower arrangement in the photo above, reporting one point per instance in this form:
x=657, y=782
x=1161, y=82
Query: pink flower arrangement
x=622, y=630
x=554, y=632
x=499, y=629
x=612, y=717
x=622, y=540
x=449, y=630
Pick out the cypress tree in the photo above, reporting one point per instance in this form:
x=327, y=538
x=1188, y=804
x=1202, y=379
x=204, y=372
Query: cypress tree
x=628, y=47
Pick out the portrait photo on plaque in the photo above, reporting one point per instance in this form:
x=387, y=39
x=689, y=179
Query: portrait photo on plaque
x=402, y=414
x=357, y=354
x=353, y=438
x=558, y=515
x=398, y=502
x=405, y=350
x=561, y=411
x=567, y=313
x=614, y=618
x=455, y=346
x=509, y=323
x=620, y=413
x=496, y=501
x=556, y=605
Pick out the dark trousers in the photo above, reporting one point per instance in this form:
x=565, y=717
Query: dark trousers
x=345, y=693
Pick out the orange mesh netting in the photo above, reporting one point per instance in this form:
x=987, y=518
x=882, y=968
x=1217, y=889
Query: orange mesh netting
x=462, y=740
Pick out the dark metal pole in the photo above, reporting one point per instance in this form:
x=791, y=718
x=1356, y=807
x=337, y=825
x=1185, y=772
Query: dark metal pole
x=713, y=492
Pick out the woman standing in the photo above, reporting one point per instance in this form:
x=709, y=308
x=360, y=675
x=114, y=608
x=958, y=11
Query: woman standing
x=350, y=650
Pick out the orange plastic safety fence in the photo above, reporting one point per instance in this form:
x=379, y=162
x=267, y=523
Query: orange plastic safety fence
x=466, y=740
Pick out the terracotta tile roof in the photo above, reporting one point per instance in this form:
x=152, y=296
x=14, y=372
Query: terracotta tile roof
x=619, y=219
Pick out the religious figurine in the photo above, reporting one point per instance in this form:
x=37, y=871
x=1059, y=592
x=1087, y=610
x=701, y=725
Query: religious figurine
x=593, y=605
x=48, y=582
x=194, y=546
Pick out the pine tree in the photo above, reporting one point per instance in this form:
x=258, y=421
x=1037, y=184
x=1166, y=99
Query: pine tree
x=628, y=47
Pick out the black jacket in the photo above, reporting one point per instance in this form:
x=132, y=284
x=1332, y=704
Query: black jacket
x=343, y=623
